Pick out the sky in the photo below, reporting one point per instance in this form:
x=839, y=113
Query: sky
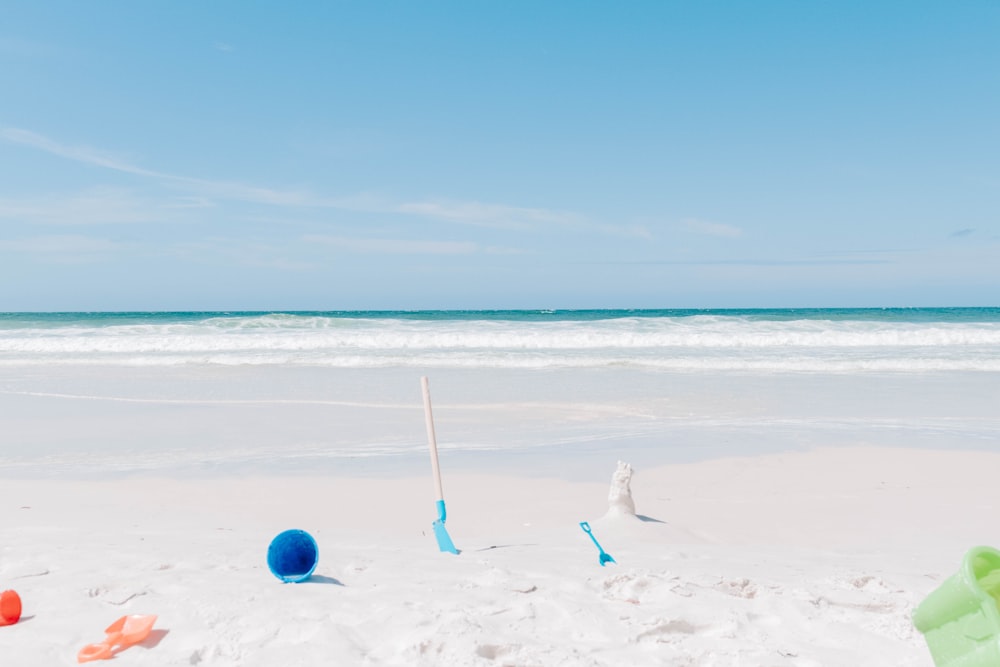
x=236, y=155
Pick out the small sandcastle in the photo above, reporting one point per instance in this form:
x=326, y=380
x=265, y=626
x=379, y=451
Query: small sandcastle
x=620, y=501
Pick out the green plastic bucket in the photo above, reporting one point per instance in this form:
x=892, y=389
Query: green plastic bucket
x=960, y=619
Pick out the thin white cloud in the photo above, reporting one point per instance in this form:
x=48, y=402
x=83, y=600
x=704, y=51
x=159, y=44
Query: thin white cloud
x=712, y=228
x=224, y=46
x=277, y=263
x=851, y=258
x=500, y=216
x=252, y=194
x=475, y=213
x=220, y=189
x=83, y=154
x=754, y=262
x=254, y=254
x=191, y=202
x=396, y=246
x=485, y=214
x=504, y=250
x=89, y=207
x=65, y=248
x=627, y=231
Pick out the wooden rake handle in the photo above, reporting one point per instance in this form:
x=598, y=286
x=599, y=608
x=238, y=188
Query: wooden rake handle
x=431, y=439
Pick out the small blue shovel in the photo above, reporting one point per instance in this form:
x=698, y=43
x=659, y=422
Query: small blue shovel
x=440, y=532
x=605, y=556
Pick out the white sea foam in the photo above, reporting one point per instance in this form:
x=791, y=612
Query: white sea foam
x=661, y=343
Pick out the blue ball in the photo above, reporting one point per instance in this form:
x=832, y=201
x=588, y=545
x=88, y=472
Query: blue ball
x=293, y=556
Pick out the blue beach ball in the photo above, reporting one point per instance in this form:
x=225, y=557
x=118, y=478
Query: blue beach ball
x=293, y=556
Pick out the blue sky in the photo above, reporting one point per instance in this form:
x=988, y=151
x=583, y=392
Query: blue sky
x=372, y=155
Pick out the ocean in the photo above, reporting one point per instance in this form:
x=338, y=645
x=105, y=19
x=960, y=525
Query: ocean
x=563, y=393
x=777, y=340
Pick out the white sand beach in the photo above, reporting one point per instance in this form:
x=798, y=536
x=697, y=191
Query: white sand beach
x=749, y=250
x=772, y=529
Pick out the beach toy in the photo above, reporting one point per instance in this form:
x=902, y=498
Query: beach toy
x=960, y=619
x=293, y=556
x=121, y=634
x=604, y=557
x=440, y=532
x=10, y=608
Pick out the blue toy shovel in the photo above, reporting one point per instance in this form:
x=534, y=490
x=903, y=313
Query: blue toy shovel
x=440, y=532
x=605, y=557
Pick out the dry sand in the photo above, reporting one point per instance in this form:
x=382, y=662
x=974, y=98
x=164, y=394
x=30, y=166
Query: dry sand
x=801, y=559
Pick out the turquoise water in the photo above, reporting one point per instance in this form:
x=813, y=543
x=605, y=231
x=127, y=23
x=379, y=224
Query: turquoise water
x=12, y=320
x=770, y=340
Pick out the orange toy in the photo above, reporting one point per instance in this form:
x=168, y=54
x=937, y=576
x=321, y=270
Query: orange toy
x=10, y=608
x=121, y=634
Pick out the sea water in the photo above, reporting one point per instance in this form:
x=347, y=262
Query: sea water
x=215, y=393
x=818, y=340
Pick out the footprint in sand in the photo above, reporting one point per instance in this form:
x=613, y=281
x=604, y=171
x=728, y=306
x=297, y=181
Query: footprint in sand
x=495, y=652
x=625, y=588
x=496, y=578
x=667, y=631
x=740, y=588
x=116, y=597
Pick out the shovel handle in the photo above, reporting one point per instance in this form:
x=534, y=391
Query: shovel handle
x=431, y=439
x=590, y=534
x=101, y=651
